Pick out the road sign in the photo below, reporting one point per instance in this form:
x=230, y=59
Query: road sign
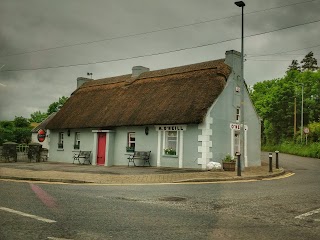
x=306, y=130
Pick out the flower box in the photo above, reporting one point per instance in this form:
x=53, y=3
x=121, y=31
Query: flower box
x=130, y=149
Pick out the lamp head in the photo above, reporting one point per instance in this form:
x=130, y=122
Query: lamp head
x=240, y=4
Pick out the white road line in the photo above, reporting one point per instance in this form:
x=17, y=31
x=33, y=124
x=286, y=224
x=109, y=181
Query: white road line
x=303, y=216
x=53, y=238
x=27, y=215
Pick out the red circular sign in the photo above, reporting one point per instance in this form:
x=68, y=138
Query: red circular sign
x=41, y=135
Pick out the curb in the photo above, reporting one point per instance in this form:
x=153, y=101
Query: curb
x=44, y=179
x=259, y=177
x=196, y=180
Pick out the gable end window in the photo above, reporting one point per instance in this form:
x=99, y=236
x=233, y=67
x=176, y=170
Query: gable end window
x=60, y=142
x=238, y=114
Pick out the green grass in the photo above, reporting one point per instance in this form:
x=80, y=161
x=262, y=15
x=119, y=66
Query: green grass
x=310, y=150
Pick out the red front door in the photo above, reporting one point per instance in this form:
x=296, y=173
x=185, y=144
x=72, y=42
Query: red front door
x=101, y=156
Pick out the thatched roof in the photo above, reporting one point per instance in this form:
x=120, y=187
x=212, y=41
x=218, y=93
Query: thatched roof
x=180, y=95
x=43, y=124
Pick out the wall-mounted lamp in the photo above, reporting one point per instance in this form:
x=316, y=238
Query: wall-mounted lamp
x=146, y=130
x=68, y=132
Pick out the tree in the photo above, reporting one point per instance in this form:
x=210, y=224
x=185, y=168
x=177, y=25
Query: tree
x=294, y=66
x=18, y=131
x=56, y=106
x=21, y=122
x=38, y=116
x=274, y=102
x=309, y=63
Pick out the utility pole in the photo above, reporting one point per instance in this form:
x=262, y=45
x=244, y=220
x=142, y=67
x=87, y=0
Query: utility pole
x=242, y=4
x=295, y=117
x=301, y=130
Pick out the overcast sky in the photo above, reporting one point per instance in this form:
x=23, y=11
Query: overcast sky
x=50, y=35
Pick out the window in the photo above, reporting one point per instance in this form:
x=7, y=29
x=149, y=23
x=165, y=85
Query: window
x=76, y=140
x=236, y=142
x=171, y=143
x=238, y=114
x=60, y=143
x=131, y=142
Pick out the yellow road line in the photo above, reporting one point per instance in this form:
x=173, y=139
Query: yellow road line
x=279, y=177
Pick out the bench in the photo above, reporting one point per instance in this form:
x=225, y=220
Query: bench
x=141, y=155
x=85, y=155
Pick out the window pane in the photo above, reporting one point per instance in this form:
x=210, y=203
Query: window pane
x=171, y=146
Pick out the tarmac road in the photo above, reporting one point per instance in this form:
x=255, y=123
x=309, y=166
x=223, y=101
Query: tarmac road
x=277, y=208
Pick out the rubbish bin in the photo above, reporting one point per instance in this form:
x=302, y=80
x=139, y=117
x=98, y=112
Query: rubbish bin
x=34, y=151
x=9, y=151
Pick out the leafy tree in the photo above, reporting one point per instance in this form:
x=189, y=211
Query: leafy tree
x=6, y=132
x=22, y=134
x=294, y=66
x=6, y=124
x=21, y=122
x=18, y=130
x=38, y=116
x=309, y=63
x=56, y=106
x=274, y=102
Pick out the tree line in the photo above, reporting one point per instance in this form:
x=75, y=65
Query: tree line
x=279, y=103
x=19, y=129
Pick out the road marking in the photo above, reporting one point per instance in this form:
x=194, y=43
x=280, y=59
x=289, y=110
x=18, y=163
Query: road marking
x=27, y=215
x=48, y=200
x=279, y=177
x=53, y=238
x=303, y=216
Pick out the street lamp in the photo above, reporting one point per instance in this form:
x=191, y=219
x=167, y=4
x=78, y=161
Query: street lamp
x=242, y=4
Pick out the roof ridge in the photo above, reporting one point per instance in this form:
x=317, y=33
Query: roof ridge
x=147, y=74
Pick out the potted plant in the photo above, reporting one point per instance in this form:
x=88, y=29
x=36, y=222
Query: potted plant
x=228, y=163
x=169, y=151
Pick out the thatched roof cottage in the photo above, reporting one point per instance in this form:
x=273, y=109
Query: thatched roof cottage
x=192, y=110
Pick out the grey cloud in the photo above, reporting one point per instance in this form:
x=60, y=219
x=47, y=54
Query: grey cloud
x=37, y=24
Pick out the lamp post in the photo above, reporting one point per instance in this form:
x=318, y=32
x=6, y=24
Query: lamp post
x=242, y=4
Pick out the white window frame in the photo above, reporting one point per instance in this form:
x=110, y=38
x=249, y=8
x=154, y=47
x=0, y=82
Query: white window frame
x=131, y=142
x=77, y=139
x=166, y=142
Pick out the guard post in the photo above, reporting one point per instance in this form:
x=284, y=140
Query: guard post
x=270, y=162
x=238, y=164
x=277, y=159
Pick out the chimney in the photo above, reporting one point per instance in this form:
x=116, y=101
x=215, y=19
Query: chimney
x=82, y=80
x=233, y=59
x=137, y=70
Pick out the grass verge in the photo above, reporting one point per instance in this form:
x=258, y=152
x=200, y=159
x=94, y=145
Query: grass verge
x=310, y=150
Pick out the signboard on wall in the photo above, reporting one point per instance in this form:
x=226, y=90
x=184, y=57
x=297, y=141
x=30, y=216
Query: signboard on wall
x=41, y=135
x=237, y=126
x=171, y=127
